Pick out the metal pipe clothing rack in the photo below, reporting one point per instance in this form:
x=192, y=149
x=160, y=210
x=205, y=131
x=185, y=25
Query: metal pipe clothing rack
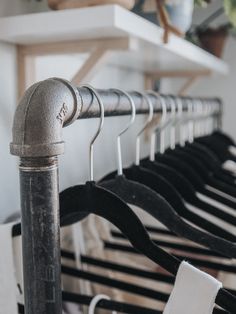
x=44, y=110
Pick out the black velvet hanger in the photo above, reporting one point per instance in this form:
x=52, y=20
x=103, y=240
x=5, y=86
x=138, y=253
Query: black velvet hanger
x=115, y=283
x=220, y=148
x=79, y=201
x=194, y=260
x=169, y=244
x=193, y=178
x=206, y=175
x=211, y=162
x=149, y=183
x=109, y=305
x=187, y=192
x=207, y=157
x=143, y=273
x=197, y=174
x=147, y=292
x=220, y=135
x=143, y=195
x=104, y=304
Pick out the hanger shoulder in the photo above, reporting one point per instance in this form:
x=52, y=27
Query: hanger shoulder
x=145, y=197
x=79, y=201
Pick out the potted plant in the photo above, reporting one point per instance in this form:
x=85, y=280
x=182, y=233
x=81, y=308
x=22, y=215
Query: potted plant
x=228, y=5
x=213, y=39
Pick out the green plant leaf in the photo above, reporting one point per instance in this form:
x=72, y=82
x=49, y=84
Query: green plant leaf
x=200, y=3
x=230, y=10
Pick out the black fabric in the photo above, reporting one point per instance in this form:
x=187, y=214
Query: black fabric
x=223, y=137
x=114, y=283
x=177, y=246
x=119, y=267
x=186, y=190
x=211, y=162
x=218, y=147
x=130, y=287
x=127, y=269
x=192, y=178
x=109, y=305
x=159, y=230
x=197, y=262
x=103, y=304
x=202, y=170
x=16, y=230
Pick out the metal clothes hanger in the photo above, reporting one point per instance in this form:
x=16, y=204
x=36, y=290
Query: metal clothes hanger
x=186, y=191
x=208, y=157
x=200, y=168
x=79, y=201
x=218, y=299
x=136, y=193
x=144, y=195
x=197, y=184
x=219, y=143
x=222, y=294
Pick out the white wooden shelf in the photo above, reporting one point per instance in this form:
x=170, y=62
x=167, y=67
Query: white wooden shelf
x=147, y=51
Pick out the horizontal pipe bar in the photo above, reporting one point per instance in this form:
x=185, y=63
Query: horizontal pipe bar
x=117, y=104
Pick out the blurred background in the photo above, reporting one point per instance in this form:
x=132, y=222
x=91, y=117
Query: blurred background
x=207, y=20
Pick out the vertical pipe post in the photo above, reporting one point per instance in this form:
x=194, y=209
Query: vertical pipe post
x=40, y=235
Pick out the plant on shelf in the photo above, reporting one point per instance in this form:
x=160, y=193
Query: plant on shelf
x=213, y=39
x=229, y=7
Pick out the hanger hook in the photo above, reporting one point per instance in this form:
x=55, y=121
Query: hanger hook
x=203, y=122
x=159, y=127
x=131, y=121
x=190, y=120
x=91, y=146
x=95, y=300
x=146, y=124
x=172, y=128
x=180, y=116
x=210, y=113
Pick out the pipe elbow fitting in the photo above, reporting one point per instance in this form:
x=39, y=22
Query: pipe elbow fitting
x=44, y=110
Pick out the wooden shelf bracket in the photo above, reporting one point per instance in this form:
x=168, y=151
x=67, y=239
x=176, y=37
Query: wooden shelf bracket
x=99, y=50
x=191, y=77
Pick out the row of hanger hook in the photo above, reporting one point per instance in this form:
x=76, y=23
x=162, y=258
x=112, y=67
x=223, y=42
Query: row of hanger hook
x=198, y=112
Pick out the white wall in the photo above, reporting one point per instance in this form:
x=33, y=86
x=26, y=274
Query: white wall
x=74, y=164
x=9, y=191
x=223, y=87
